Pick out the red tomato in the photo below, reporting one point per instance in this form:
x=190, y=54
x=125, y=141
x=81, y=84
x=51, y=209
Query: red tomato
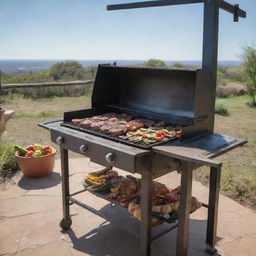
x=158, y=138
x=30, y=148
x=168, y=135
x=178, y=133
x=144, y=135
x=29, y=153
x=46, y=150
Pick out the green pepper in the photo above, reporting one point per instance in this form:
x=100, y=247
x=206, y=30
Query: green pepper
x=21, y=150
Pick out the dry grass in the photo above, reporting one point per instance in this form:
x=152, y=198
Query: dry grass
x=239, y=165
x=230, y=89
x=23, y=129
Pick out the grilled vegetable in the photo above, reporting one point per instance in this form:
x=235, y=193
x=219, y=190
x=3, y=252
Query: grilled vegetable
x=95, y=178
x=103, y=188
x=94, y=183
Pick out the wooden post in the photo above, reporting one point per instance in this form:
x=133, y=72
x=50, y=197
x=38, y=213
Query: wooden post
x=5, y=115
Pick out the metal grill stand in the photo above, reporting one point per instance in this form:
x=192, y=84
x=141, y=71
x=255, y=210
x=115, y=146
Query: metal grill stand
x=160, y=160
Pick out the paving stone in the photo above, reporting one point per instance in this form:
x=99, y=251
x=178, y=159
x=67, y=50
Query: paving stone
x=57, y=248
x=245, y=246
x=31, y=211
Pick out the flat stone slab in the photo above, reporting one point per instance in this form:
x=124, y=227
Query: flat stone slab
x=30, y=211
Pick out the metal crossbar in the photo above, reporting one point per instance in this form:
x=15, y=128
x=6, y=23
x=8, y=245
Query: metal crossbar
x=151, y=4
x=233, y=9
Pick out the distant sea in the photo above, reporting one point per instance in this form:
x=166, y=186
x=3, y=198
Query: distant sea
x=24, y=66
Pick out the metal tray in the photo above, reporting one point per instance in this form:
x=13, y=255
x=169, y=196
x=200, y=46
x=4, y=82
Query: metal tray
x=107, y=136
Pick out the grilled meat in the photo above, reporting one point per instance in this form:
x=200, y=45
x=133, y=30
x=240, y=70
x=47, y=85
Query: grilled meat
x=147, y=122
x=86, y=123
x=159, y=124
x=77, y=121
x=132, y=125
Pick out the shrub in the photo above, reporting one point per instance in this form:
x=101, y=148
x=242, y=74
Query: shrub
x=221, y=108
x=178, y=65
x=155, y=63
x=225, y=91
x=8, y=163
x=67, y=70
x=249, y=65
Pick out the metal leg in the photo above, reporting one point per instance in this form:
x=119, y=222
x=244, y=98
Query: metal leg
x=213, y=209
x=146, y=212
x=66, y=221
x=184, y=209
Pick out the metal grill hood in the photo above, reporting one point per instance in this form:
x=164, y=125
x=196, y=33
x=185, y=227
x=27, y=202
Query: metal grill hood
x=176, y=96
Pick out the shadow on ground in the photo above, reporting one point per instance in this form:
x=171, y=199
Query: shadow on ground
x=109, y=240
x=40, y=183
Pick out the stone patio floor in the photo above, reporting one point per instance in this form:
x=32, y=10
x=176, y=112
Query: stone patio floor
x=30, y=211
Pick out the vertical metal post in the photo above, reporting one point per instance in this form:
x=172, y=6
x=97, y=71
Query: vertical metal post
x=210, y=52
x=213, y=204
x=184, y=209
x=146, y=211
x=66, y=220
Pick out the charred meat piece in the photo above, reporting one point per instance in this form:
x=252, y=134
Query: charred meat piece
x=86, y=123
x=125, y=116
x=110, y=115
x=147, y=122
x=106, y=128
x=132, y=125
x=97, y=125
x=159, y=124
x=100, y=118
x=112, y=119
x=118, y=130
x=77, y=121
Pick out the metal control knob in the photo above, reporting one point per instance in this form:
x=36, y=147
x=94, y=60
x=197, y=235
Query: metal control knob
x=60, y=140
x=110, y=157
x=83, y=148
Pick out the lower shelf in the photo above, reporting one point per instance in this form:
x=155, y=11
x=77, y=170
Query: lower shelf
x=118, y=215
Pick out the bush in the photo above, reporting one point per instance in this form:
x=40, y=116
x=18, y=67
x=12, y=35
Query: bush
x=67, y=70
x=249, y=65
x=225, y=91
x=155, y=63
x=8, y=163
x=221, y=108
x=178, y=65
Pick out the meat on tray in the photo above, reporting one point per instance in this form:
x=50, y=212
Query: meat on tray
x=124, y=126
x=113, y=123
x=126, y=190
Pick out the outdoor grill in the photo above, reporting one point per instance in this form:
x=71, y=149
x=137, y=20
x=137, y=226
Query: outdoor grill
x=179, y=97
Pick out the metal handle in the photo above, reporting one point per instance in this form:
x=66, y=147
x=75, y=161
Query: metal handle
x=83, y=148
x=60, y=140
x=110, y=157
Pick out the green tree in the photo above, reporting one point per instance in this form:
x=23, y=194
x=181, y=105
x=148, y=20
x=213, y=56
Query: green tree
x=91, y=71
x=178, y=65
x=67, y=71
x=155, y=63
x=249, y=66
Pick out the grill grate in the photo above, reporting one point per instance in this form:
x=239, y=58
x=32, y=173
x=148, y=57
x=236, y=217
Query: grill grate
x=141, y=145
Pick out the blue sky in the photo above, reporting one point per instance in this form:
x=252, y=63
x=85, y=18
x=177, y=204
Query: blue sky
x=83, y=29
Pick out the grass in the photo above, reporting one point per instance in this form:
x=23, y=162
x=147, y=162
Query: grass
x=8, y=164
x=239, y=165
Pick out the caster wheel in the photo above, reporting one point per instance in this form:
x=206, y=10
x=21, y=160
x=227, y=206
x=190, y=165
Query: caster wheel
x=210, y=250
x=66, y=224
